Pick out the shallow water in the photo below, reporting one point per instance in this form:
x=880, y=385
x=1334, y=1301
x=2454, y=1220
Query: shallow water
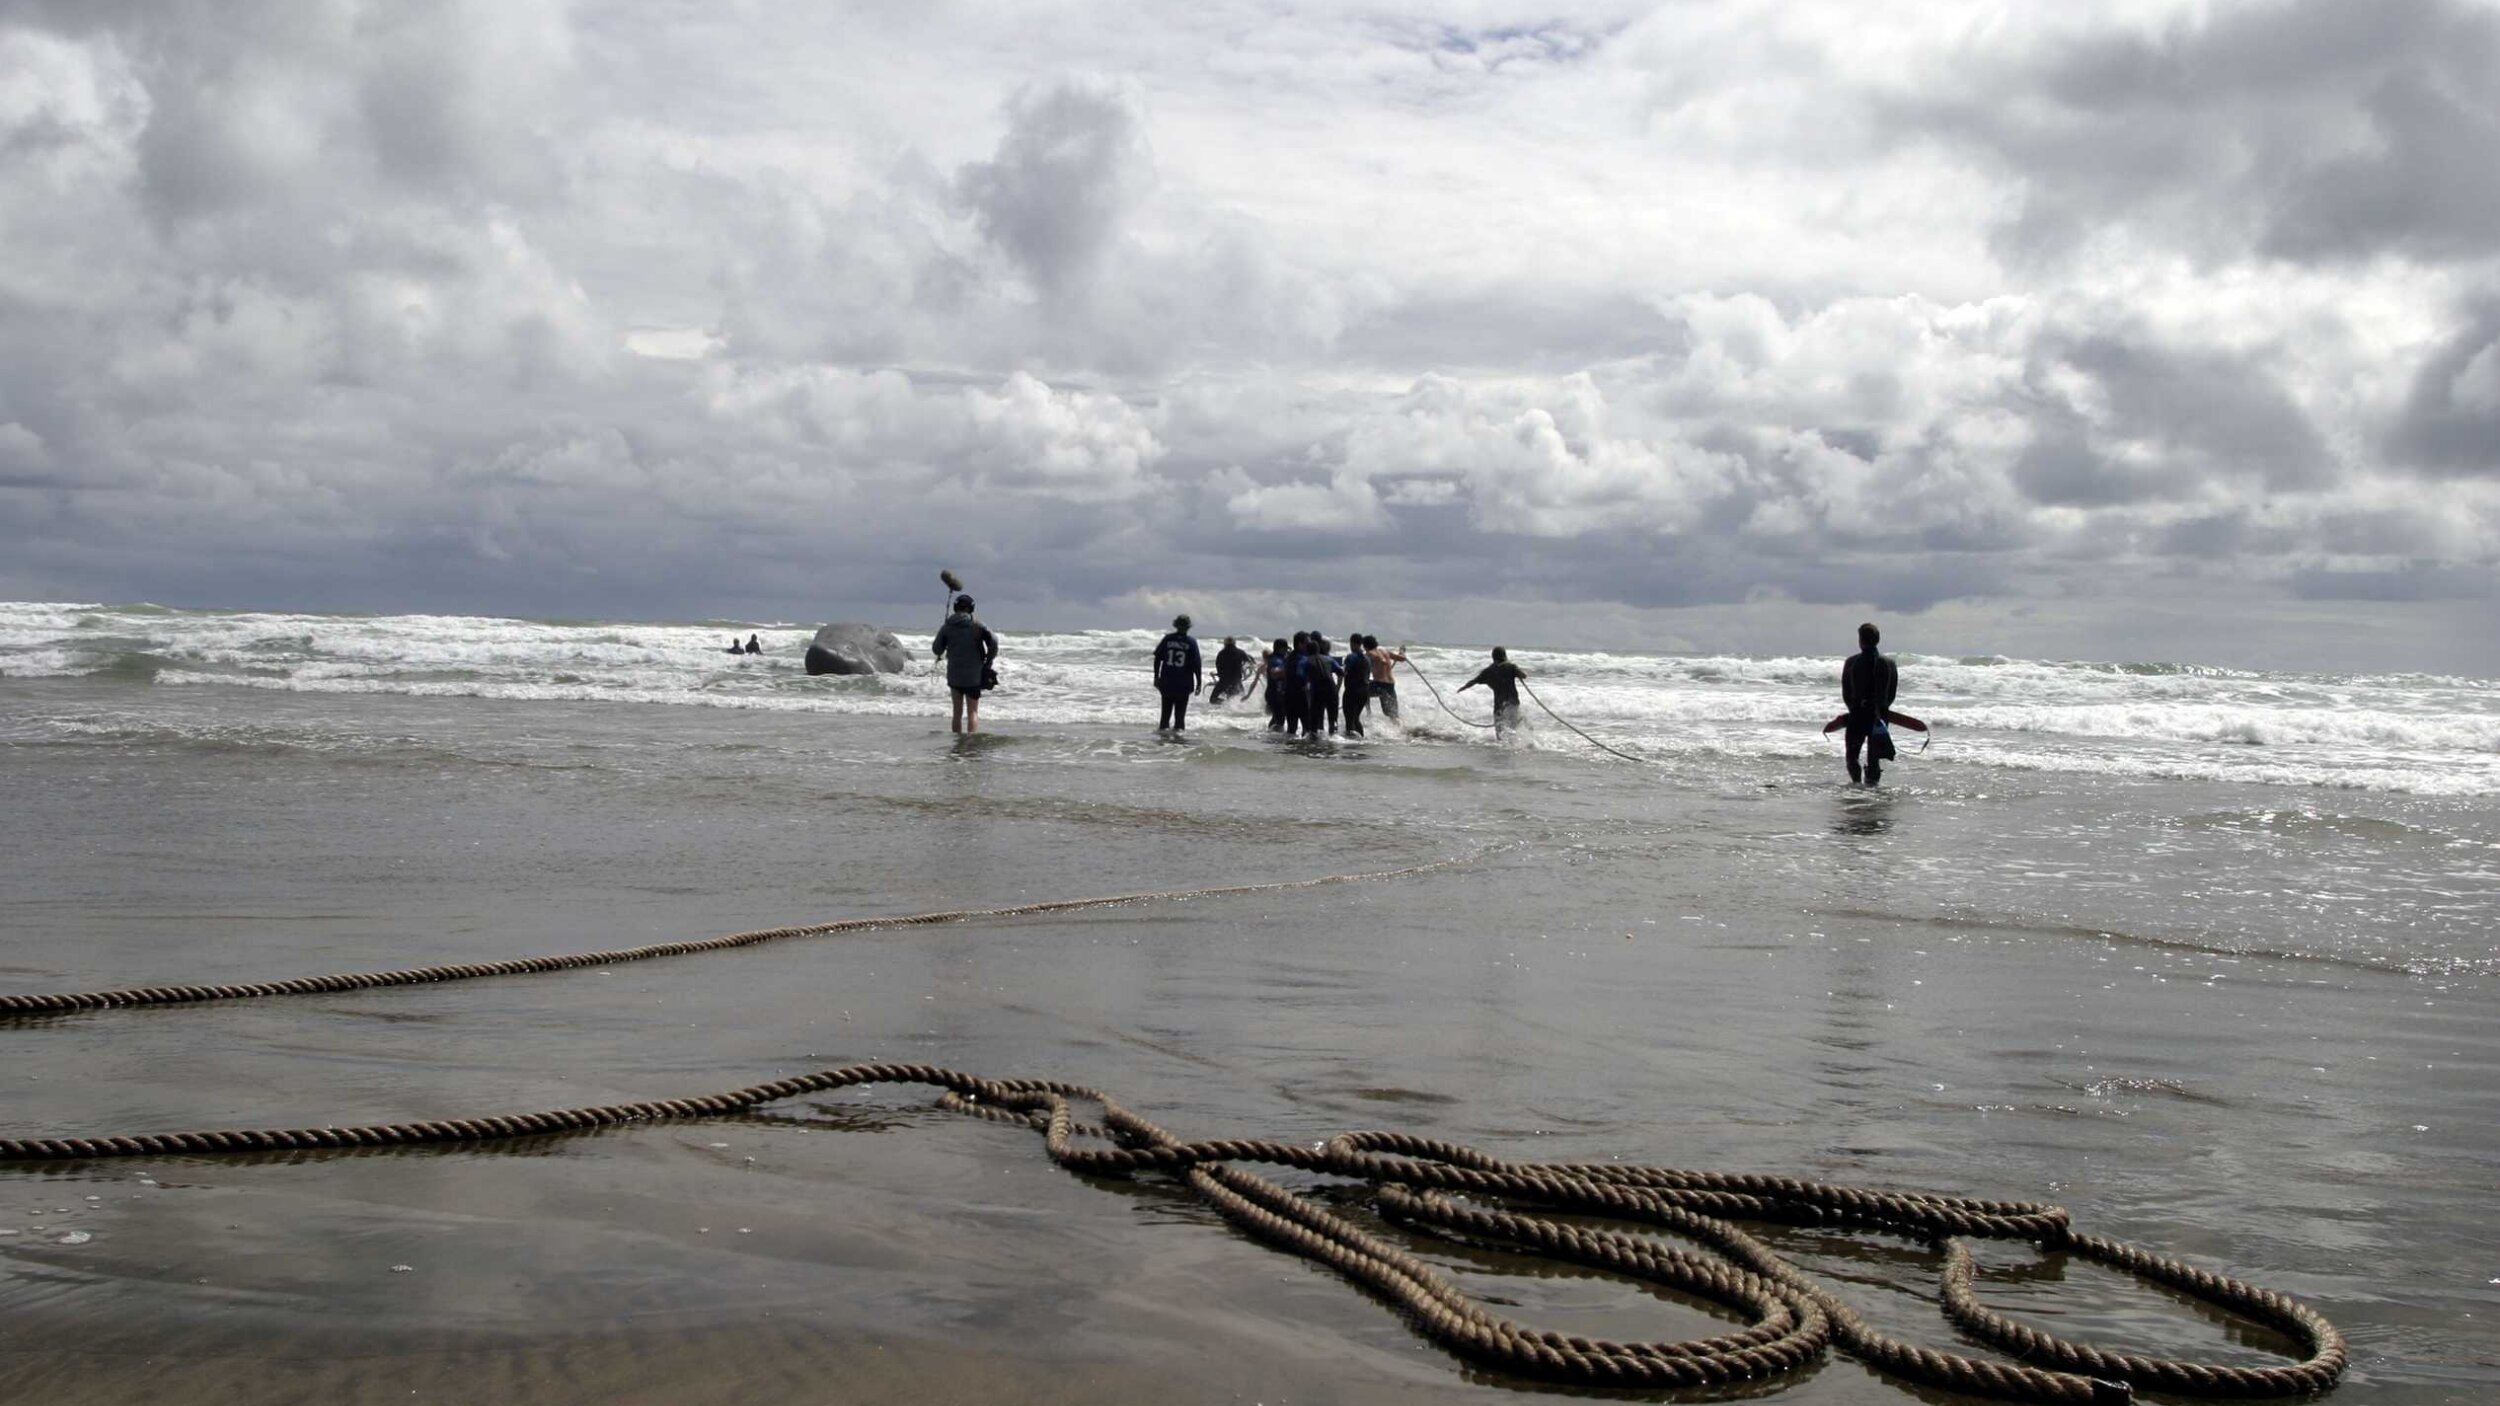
x=2233, y=1018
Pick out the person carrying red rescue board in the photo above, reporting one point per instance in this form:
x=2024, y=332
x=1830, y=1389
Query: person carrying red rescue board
x=1868, y=682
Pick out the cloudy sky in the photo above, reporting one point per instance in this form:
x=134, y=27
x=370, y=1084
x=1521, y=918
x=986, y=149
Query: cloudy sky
x=2105, y=328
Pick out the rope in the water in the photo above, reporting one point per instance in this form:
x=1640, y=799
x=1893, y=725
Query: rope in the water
x=1417, y=670
x=1549, y=712
x=53, y=1002
x=1575, y=727
x=1419, y=1183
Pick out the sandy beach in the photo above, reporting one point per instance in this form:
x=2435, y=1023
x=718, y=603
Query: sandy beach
x=1978, y=983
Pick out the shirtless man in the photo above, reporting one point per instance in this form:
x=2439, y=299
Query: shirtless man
x=1384, y=681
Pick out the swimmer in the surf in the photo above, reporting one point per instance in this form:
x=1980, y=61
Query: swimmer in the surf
x=1868, y=682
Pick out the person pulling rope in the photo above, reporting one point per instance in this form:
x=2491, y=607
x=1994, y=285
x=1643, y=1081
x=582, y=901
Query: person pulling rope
x=1541, y=703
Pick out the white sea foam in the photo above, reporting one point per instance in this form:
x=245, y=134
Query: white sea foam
x=2431, y=735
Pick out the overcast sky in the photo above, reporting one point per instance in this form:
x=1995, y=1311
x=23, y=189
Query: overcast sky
x=2104, y=328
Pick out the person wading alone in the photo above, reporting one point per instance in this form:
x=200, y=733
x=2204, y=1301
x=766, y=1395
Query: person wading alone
x=1868, y=682
x=1177, y=675
x=967, y=646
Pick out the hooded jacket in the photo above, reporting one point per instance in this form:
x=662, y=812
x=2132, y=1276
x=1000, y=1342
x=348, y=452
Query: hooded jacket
x=967, y=646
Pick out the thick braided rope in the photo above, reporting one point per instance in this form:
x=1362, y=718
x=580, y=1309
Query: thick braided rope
x=1457, y=1191
x=1575, y=727
x=1417, y=670
x=54, y=1003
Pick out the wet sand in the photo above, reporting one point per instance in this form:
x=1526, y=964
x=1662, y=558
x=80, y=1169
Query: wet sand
x=1757, y=973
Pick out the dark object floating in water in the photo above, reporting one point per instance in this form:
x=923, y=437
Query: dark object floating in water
x=848, y=647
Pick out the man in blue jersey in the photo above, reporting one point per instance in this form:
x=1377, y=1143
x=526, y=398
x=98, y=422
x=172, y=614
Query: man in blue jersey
x=1177, y=675
x=1868, y=682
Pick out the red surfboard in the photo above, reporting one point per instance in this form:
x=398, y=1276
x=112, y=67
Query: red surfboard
x=1896, y=719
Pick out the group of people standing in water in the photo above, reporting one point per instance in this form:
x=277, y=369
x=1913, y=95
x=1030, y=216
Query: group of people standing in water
x=1311, y=690
x=1307, y=685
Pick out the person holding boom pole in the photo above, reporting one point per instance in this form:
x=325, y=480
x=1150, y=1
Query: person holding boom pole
x=967, y=646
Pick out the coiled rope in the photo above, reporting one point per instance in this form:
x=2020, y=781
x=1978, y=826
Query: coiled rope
x=1457, y=1192
x=56, y=1002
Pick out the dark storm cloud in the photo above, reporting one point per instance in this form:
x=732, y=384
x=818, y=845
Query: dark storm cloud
x=606, y=309
x=2412, y=581
x=2301, y=129
x=2170, y=423
x=2450, y=421
x=1073, y=164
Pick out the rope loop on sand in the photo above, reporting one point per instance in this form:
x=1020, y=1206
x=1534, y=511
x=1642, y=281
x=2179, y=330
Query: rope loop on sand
x=61, y=1002
x=1458, y=1193
x=1424, y=1185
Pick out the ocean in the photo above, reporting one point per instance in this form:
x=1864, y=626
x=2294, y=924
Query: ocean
x=2205, y=955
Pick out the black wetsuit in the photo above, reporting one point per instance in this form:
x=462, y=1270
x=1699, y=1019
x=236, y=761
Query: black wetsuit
x=1358, y=690
x=1229, y=662
x=1176, y=678
x=1274, y=665
x=1868, y=682
x=1503, y=678
x=1296, y=691
x=1319, y=703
